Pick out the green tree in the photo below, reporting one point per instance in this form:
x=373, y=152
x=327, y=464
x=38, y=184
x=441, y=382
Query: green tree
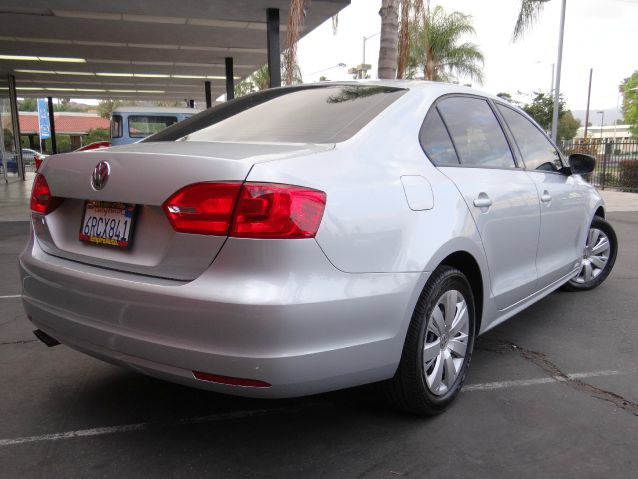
x=260, y=80
x=105, y=107
x=28, y=104
x=542, y=107
x=436, y=50
x=568, y=126
x=324, y=78
x=629, y=89
x=506, y=96
x=244, y=88
x=62, y=142
x=65, y=104
x=97, y=134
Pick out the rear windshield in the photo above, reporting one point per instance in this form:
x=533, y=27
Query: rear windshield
x=314, y=114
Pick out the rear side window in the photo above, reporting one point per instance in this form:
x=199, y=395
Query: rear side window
x=538, y=152
x=436, y=142
x=141, y=126
x=116, y=126
x=476, y=133
x=326, y=114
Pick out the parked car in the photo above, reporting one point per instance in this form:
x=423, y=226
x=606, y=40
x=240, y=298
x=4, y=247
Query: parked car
x=11, y=161
x=32, y=159
x=130, y=124
x=95, y=145
x=311, y=238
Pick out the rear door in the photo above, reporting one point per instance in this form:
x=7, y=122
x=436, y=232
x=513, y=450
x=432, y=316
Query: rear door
x=564, y=214
x=501, y=197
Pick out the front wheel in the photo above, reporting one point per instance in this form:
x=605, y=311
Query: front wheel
x=438, y=346
x=599, y=256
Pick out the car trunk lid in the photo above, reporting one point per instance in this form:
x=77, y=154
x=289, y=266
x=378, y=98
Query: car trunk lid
x=146, y=175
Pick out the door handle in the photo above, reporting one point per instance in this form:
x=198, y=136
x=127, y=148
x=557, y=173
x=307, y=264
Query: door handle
x=546, y=197
x=482, y=202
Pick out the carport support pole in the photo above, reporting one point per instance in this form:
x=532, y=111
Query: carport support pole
x=54, y=144
x=274, y=52
x=230, y=79
x=209, y=97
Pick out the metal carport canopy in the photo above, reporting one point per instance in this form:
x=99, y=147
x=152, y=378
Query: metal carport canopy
x=138, y=49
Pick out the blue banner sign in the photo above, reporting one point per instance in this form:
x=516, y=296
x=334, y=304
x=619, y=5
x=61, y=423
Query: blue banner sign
x=43, y=119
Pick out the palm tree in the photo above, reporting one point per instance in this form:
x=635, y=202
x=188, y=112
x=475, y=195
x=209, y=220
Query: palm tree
x=527, y=17
x=260, y=78
x=435, y=48
x=296, y=14
x=388, y=49
x=411, y=11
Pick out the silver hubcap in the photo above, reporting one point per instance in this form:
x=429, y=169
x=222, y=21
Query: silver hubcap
x=445, y=342
x=595, y=256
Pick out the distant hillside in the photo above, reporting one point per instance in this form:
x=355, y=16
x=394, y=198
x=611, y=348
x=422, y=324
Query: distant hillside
x=611, y=115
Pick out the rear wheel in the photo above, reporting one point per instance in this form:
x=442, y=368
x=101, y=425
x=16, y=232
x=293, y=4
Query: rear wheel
x=438, y=346
x=599, y=257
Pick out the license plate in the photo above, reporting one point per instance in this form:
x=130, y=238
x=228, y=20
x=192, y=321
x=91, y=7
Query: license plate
x=107, y=223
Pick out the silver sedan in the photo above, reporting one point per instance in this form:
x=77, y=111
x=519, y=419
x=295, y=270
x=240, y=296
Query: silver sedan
x=311, y=238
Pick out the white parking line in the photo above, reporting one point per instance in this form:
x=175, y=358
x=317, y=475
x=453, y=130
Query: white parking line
x=142, y=426
x=10, y=296
x=532, y=382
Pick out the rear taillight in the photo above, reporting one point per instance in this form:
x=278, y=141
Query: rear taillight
x=266, y=210
x=42, y=201
x=251, y=210
x=203, y=208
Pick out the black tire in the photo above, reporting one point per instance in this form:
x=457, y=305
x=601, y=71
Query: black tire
x=578, y=283
x=408, y=389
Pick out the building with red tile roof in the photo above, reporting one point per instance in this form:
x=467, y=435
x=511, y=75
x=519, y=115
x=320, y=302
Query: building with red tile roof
x=66, y=123
x=73, y=124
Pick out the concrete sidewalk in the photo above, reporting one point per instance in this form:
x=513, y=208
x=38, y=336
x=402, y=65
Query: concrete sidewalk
x=15, y=197
x=619, y=201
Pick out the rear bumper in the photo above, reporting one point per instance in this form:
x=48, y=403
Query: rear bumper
x=274, y=311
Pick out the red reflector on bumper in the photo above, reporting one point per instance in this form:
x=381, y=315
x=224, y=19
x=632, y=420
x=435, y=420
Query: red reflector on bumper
x=216, y=378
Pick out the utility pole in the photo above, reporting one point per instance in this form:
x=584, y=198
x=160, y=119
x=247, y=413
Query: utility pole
x=559, y=63
x=591, y=72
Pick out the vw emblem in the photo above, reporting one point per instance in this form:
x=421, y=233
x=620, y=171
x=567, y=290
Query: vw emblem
x=100, y=175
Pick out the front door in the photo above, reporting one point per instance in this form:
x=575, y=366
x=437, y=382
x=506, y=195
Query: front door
x=564, y=220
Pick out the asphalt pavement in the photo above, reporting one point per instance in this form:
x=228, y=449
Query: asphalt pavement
x=551, y=393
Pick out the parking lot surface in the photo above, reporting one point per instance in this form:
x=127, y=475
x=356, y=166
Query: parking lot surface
x=551, y=393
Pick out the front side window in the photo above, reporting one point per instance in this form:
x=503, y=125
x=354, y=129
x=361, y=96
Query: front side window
x=436, y=141
x=477, y=135
x=116, y=126
x=141, y=126
x=538, y=152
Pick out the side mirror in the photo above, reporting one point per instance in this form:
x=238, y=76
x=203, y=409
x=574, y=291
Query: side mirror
x=581, y=164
